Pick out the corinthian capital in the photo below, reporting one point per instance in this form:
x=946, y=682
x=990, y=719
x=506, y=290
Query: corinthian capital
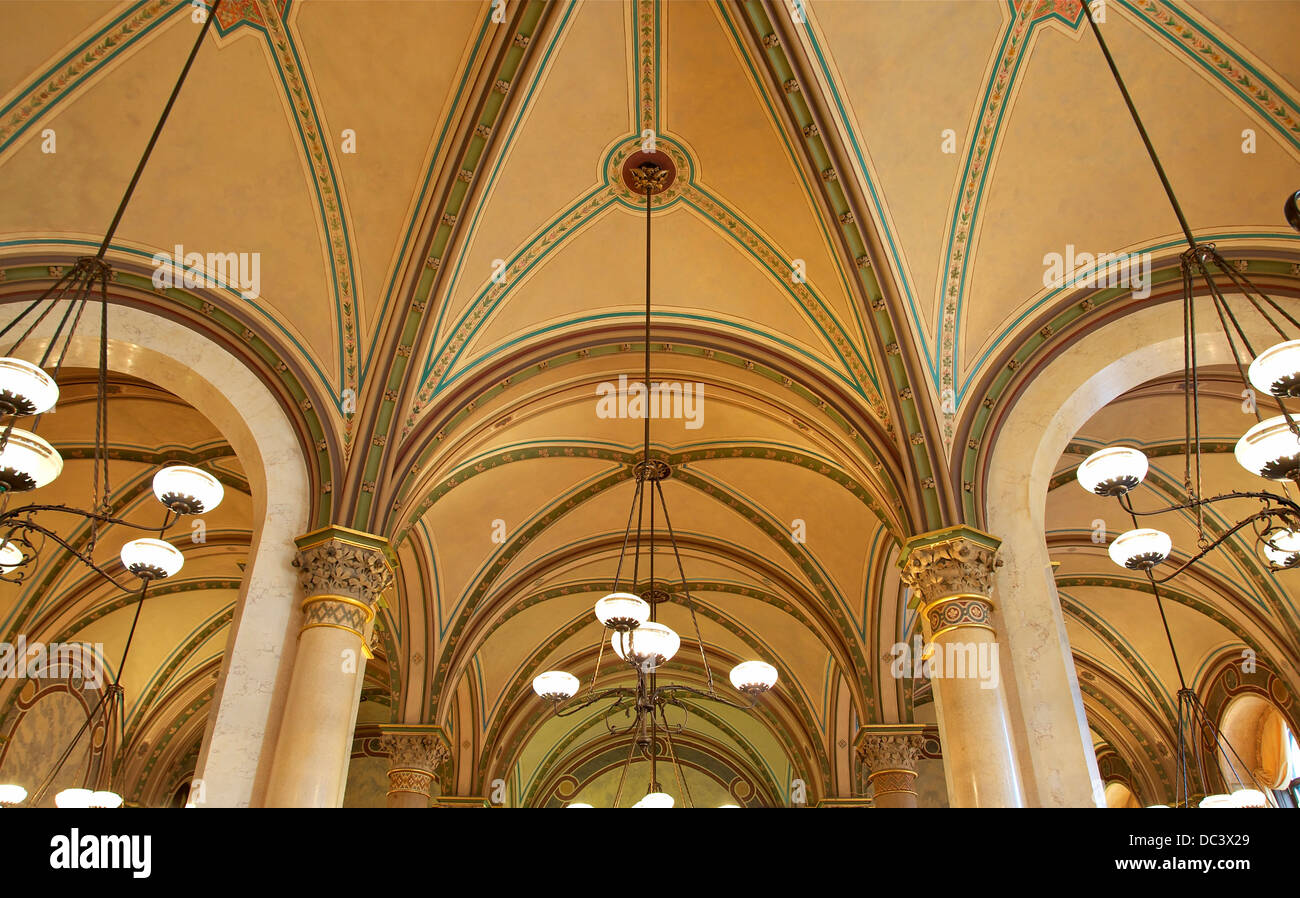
x=881, y=753
x=953, y=562
x=339, y=562
x=424, y=752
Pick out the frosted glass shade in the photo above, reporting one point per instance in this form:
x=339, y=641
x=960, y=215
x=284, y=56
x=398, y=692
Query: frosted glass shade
x=73, y=798
x=1216, y=801
x=649, y=645
x=10, y=557
x=655, y=800
x=1270, y=450
x=1112, y=471
x=1248, y=798
x=622, y=611
x=578, y=804
x=1276, y=370
x=12, y=795
x=104, y=799
x=555, y=685
x=753, y=676
x=187, y=490
x=1141, y=549
x=1282, y=547
x=27, y=462
x=25, y=389
x=151, y=559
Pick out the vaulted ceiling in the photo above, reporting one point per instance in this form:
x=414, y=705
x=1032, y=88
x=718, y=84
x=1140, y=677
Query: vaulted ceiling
x=450, y=265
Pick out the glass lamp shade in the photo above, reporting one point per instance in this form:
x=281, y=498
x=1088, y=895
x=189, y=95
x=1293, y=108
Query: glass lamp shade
x=649, y=645
x=25, y=389
x=1270, y=450
x=12, y=795
x=104, y=799
x=1281, y=547
x=187, y=490
x=27, y=462
x=10, y=557
x=578, y=804
x=1276, y=370
x=1112, y=471
x=151, y=559
x=1141, y=549
x=555, y=685
x=622, y=611
x=73, y=798
x=1248, y=798
x=655, y=800
x=1216, y=801
x=728, y=805
x=753, y=676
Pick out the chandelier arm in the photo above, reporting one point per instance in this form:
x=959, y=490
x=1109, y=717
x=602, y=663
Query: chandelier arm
x=153, y=139
x=618, y=694
x=1259, y=515
x=662, y=693
x=686, y=589
x=80, y=556
x=1142, y=131
x=101, y=517
x=1290, y=506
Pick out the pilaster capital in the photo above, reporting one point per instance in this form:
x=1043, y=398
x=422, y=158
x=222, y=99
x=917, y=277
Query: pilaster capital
x=339, y=562
x=956, y=561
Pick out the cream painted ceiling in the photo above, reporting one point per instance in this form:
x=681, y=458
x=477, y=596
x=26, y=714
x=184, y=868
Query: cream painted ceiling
x=489, y=148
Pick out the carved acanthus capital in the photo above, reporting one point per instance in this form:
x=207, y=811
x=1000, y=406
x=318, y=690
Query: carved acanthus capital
x=337, y=567
x=953, y=562
x=890, y=753
x=423, y=752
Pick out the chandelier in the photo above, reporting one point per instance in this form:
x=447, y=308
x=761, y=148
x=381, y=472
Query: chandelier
x=631, y=626
x=1270, y=450
x=28, y=462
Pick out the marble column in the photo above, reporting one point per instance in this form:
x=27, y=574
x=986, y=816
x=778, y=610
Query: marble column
x=950, y=573
x=890, y=760
x=414, y=756
x=342, y=572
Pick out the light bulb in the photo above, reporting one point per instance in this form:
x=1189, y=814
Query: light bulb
x=151, y=559
x=25, y=389
x=1270, y=449
x=27, y=462
x=1141, y=549
x=648, y=646
x=1276, y=370
x=187, y=490
x=1112, y=471
x=555, y=685
x=622, y=611
x=753, y=676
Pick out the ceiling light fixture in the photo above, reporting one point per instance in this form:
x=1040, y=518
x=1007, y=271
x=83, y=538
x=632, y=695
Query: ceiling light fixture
x=1270, y=449
x=631, y=627
x=28, y=462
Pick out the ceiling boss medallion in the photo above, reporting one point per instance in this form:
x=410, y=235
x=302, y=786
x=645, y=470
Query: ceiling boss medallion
x=631, y=626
